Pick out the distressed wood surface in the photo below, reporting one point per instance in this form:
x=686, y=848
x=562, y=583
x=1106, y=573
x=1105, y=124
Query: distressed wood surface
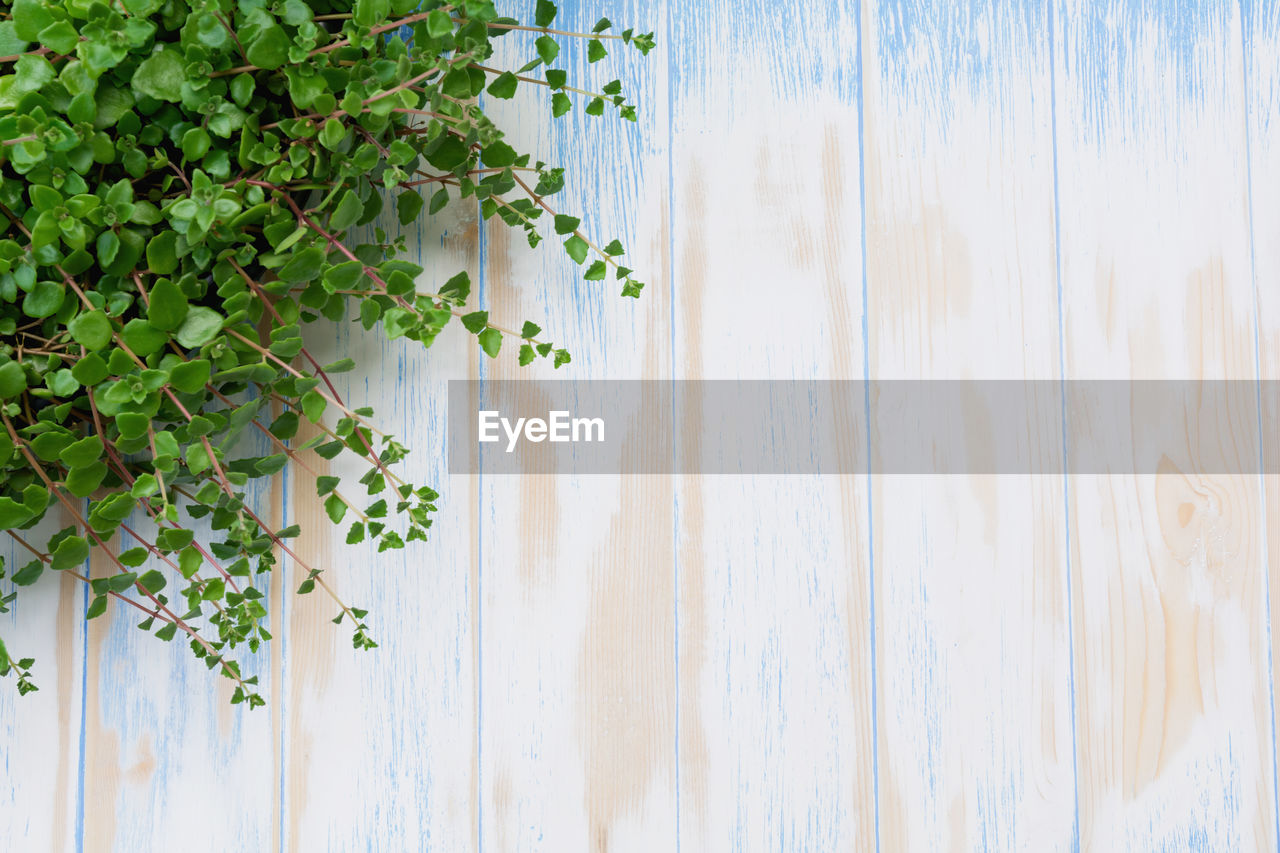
x=885, y=189
x=973, y=657
x=1171, y=637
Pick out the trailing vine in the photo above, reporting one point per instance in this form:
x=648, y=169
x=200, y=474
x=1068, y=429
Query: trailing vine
x=181, y=184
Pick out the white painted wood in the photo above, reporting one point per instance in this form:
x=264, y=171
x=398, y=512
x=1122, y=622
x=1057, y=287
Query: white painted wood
x=1260, y=28
x=973, y=663
x=653, y=663
x=1175, y=735
x=379, y=746
x=40, y=748
x=577, y=668
x=165, y=753
x=775, y=733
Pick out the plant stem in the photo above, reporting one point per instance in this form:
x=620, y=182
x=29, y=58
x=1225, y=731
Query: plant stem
x=525, y=79
x=546, y=30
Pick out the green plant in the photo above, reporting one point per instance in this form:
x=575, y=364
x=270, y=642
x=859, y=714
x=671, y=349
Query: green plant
x=179, y=182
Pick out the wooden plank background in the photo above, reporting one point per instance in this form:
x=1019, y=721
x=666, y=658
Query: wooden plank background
x=1067, y=189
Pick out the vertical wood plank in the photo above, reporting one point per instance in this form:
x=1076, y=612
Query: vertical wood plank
x=1260, y=29
x=776, y=695
x=378, y=746
x=577, y=748
x=40, y=747
x=165, y=753
x=975, y=710
x=1175, y=731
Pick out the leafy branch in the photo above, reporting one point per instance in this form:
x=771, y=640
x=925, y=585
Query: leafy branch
x=183, y=189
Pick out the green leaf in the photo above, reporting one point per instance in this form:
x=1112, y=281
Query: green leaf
x=214, y=590
x=439, y=24
x=142, y=337
x=449, y=154
x=342, y=365
x=91, y=329
x=313, y=406
x=12, y=513
x=162, y=257
x=44, y=299
x=13, y=380
x=189, y=561
x=161, y=76
x=344, y=215
x=408, y=206
x=60, y=37
x=145, y=486
x=96, y=607
x=335, y=508
x=475, y=322
x=370, y=13
x=82, y=482
x=82, y=453
x=304, y=266
x=544, y=14
x=134, y=557
x=577, y=248
x=498, y=154
x=29, y=18
x=270, y=49
x=196, y=143
x=526, y=354
x=560, y=104
x=71, y=552
x=529, y=330
x=596, y=51
x=332, y=134
x=61, y=382
x=10, y=43
x=566, y=224
x=153, y=581
x=491, y=342
x=122, y=581
x=199, y=328
x=595, y=272
x=132, y=424
x=29, y=574
x=88, y=371
x=504, y=86
x=343, y=276
x=547, y=49
x=457, y=288
x=191, y=376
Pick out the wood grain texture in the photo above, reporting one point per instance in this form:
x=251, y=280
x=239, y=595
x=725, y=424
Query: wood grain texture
x=352, y=774
x=577, y=735
x=884, y=189
x=1175, y=736
x=776, y=696
x=40, y=747
x=975, y=703
x=1260, y=31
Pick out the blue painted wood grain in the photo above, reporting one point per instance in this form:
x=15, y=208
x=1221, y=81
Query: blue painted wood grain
x=1153, y=163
